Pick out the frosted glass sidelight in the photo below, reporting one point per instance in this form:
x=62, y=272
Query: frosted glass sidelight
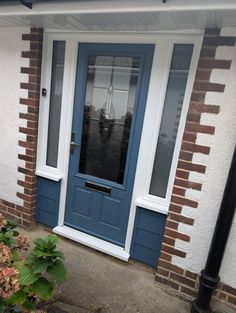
x=58, y=60
x=178, y=76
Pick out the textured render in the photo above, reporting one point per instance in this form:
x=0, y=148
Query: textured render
x=213, y=182
x=10, y=77
x=205, y=154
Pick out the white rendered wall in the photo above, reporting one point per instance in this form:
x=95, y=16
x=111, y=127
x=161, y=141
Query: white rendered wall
x=11, y=46
x=218, y=162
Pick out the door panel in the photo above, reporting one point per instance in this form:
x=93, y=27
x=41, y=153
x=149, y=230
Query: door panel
x=110, y=98
x=82, y=202
x=110, y=211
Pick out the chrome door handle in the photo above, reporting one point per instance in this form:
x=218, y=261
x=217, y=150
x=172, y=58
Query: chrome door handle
x=73, y=145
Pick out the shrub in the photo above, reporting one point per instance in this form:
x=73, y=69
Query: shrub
x=24, y=282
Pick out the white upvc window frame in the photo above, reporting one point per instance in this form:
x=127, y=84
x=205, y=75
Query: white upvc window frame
x=42, y=169
x=146, y=160
x=164, y=44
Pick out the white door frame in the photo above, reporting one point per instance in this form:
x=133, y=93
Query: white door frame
x=156, y=95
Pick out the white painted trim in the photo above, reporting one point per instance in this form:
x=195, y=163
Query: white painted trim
x=67, y=115
x=122, y=37
x=44, y=107
x=92, y=242
x=149, y=33
x=63, y=147
x=152, y=206
x=154, y=107
x=90, y=7
x=49, y=175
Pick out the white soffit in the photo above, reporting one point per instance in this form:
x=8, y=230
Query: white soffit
x=122, y=15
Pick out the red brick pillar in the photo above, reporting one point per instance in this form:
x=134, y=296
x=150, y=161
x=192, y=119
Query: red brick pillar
x=30, y=115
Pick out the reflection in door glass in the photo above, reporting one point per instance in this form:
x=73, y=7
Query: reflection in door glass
x=109, y=106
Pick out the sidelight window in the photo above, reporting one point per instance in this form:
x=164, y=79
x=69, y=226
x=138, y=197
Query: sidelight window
x=58, y=60
x=178, y=76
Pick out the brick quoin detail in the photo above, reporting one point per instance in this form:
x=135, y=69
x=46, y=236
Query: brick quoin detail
x=175, y=277
x=24, y=214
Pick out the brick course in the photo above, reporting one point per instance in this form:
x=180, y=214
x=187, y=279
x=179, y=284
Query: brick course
x=175, y=277
x=187, y=283
x=24, y=214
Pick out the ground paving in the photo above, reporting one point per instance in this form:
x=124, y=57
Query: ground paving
x=98, y=283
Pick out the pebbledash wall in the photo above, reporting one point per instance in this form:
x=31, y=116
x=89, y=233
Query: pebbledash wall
x=205, y=157
x=20, y=62
x=10, y=93
x=204, y=160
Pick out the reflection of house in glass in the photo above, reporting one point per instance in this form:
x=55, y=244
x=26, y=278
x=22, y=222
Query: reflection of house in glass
x=170, y=120
x=110, y=96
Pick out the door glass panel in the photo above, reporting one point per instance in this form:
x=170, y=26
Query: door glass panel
x=109, y=105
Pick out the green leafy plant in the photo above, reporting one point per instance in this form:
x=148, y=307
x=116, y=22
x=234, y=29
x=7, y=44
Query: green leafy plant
x=25, y=282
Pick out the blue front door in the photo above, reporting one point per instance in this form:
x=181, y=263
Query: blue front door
x=110, y=98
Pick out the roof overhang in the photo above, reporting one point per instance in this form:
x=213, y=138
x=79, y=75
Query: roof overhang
x=122, y=15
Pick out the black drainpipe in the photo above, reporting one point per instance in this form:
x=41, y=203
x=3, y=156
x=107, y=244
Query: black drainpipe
x=210, y=275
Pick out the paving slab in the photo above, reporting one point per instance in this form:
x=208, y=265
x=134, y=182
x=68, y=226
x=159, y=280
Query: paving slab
x=98, y=283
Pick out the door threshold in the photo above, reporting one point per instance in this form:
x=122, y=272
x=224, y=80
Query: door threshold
x=92, y=242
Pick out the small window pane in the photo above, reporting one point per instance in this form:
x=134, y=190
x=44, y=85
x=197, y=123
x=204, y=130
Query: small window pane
x=178, y=76
x=55, y=102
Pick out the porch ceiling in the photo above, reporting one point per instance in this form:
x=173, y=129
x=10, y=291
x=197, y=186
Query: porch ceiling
x=123, y=15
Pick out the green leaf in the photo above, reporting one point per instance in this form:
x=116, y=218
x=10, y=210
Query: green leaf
x=58, y=254
x=40, y=266
x=29, y=260
x=11, y=224
x=57, y=271
x=19, y=298
x=39, y=242
x=26, y=275
x=9, y=233
x=51, y=241
x=15, y=255
x=29, y=305
x=28, y=290
x=43, y=289
x=40, y=253
x=2, y=308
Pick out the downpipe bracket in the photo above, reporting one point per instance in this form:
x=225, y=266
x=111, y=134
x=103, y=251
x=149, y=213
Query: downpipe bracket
x=208, y=281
